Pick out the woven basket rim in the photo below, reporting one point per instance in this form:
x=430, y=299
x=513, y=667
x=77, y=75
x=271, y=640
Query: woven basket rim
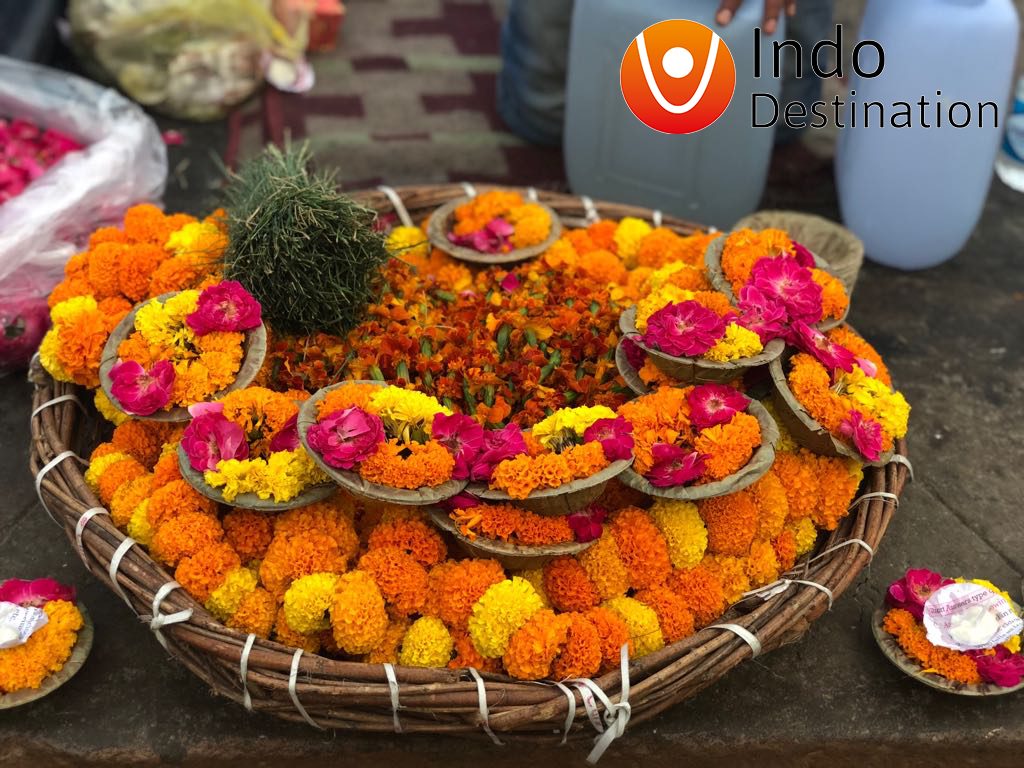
x=437, y=233
x=713, y=267
x=255, y=352
x=760, y=462
x=347, y=695
x=351, y=481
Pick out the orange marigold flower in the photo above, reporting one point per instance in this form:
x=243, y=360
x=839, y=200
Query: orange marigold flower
x=332, y=517
x=166, y=470
x=745, y=247
x=387, y=651
x=772, y=504
x=845, y=336
x=81, y=344
x=466, y=654
x=731, y=522
x=581, y=242
x=136, y=267
x=728, y=447
x=142, y=439
x=834, y=301
x=913, y=639
x=582, y=653
x=454, y=586
x=412, y=536
x=508, y=523
x=413, y=465
x=255, y=613
x=249, y=532
x=797, y=474
x=106, y=235
x=732, y=574
x=103, y=269
x=785, y=549
x=116, y=475
x=103, y=449
x=674, y=616
x=69, y=288
x=642, y=548
x=401, y=580
x=602, y=233
x=659, y=417
x=285, y=635
x=534, y=646
x=114, y=308
x=700, y=588
x=568, y=586
x=206, y=570
x=291, y=557
x=762, y=564
x=183, y=536
x=358, y=617
x=811, y=385
x=603, y=266
x=128, y=497
x=605, y=567
x=176, y=498
x=612, y=633
x=349, y=396
x=837, y=485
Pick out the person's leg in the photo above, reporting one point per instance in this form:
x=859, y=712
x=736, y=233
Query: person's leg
x=812, y=23
x=531, y=86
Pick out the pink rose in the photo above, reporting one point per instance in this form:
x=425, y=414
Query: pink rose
x=587, y=524
x=815, y=343
x=686, y=329
x=139, y=391
x=712, y=404
x=783, y=279
x=762, y=314
x=865, y=433
x=802, y=254
x=226, y=306
x=913, y=590
x=34, y=593
x=615, y=436
x=499, y=444
x=674, y=465
x=1002, y=667
x=463, y=438
x=287, y=438
x=635, y=356
x=211, y=438
x=346, y=437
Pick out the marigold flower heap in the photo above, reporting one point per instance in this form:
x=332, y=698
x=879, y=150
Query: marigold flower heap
x=387, y=435
x=499, y=221
x=247, y=442
x=849, y=395
x=691, y=435
x=150, y=255
x=1001, y=665
x=776, y=284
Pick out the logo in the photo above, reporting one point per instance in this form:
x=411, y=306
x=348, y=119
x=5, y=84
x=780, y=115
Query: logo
x=677, y=76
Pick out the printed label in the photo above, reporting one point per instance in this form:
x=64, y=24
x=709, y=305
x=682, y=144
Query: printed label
x=17, y=623
x=967, y=616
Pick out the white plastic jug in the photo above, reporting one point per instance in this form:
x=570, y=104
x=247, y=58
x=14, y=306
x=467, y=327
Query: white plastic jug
x=914, y=194
x=713, y=176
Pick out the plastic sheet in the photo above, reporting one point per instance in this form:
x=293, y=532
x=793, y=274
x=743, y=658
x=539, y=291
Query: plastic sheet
x=123, y=163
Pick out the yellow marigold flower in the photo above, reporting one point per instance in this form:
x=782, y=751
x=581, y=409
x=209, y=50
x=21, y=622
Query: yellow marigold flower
x=139, y=527
x=628, y=235
x=286, y=635
x=762, y=564
x=48, y=351
x=575, y=420
x=603, y=564
x=732, y=573
x=806, y=535
x=885, y=405
x=684, y=531
x=641, y=621
x=406, y=408
x=737, y=343
x=772, y=504
x=100, y=465
x=308, y=600
x=661, y=297
x=409, y=243
x=531, y=224
x=193, y=238
x=358, y=617
x=255, y=613
x=499, y=612
x=786, y=443
x=536, y=578
x=225, y=600
x=427, y=644
x=128, y=497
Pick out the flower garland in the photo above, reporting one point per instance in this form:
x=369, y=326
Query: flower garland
x=848, y=395
x=1001, y=665
x=46, y=650
x=247, y=442
x=499, y=221
x=691, y=435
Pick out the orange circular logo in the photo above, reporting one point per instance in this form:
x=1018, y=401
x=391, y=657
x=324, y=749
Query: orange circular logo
x=677, y=76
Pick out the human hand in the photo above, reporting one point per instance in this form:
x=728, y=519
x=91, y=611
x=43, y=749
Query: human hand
x=772, y=10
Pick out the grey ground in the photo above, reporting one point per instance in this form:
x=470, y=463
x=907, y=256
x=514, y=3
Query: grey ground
x=953, y=338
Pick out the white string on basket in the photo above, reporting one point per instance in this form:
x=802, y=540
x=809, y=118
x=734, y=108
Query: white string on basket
x=397, y=204
x=876, y=495
x=588, y=208
x=859, y=542
x=570, y=714
x=161, y=620
x=45, y=470
x=656, y=217
x=616, y=713
x=899, y=458
x=293, y=678
x=243, y=671
x=389, y=670
x=468, y=188
x=769, y=591
x=531, y=194
x=83, y=521
x=53, y=401
x=115, y=563
x=743, y=634
x=485, y=717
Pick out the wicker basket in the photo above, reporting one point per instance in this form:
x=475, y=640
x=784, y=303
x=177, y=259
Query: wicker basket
x=352, y=696
x=255, y=350
x=713, y=264
x=835, y=244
